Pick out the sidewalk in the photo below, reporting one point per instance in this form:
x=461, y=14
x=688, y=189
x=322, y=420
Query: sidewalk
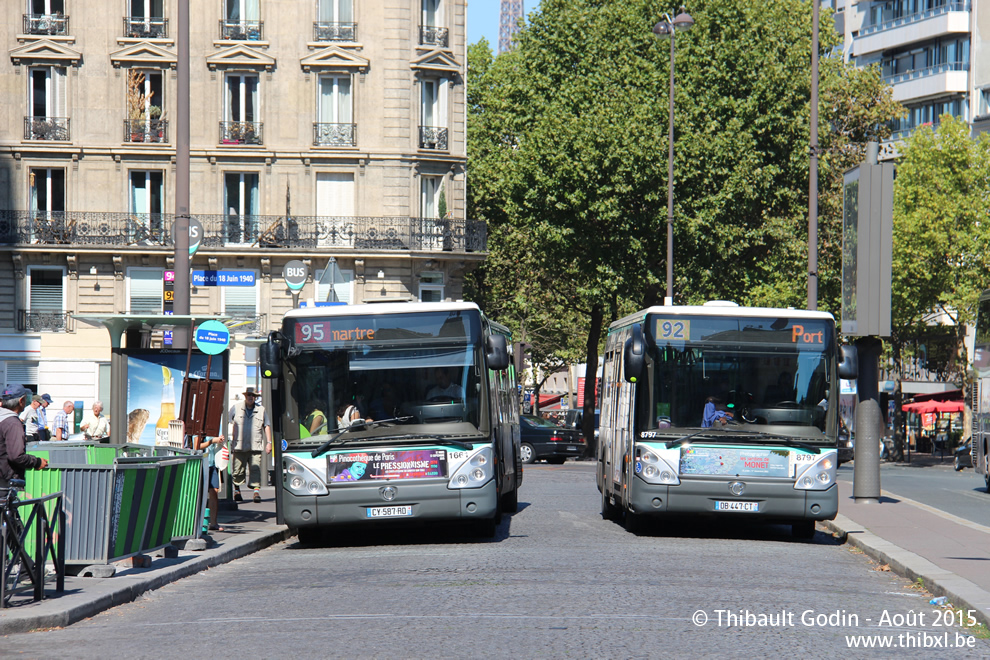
x=950, y=554
x=248, y=529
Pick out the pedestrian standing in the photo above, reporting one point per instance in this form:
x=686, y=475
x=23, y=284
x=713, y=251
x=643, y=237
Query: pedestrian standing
x=96, y=426
x=13, y=461
x=30, y=419
x=250, y=437
x=62, y=424
x=43, y=432
x=210, y=446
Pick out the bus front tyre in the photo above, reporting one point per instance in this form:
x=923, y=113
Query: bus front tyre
x=485, y=528
x=510, y=501
x=634, y=523
x=804, y=529
x=309, y=535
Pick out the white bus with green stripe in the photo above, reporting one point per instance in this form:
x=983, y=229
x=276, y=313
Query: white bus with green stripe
x=436, y=432
x=721, y=411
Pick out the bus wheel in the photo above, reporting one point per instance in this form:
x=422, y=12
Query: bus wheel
x=634, y=523
x=609, y=510
x=309, y=535
x=485, y=528
x=510, y=501
x=804, y=529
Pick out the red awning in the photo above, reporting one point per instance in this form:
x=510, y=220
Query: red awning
x=926, y=407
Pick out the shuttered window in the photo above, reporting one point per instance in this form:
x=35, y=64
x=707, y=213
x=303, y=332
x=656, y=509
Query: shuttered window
x=240, y=301
x=22, y=373
x=145, y=290
x=46, y=289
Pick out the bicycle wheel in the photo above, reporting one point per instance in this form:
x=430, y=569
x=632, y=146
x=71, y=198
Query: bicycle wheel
x=12, y=568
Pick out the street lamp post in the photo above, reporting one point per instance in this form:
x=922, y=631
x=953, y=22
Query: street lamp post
x=663, y=29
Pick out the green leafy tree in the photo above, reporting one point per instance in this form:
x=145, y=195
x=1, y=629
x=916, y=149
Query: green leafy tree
x=940, y=260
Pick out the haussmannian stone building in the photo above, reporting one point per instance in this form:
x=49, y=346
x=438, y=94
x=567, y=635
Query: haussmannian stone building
x=319, y=129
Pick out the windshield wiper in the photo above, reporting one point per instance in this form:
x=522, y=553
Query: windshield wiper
x=356, y=427
x=683, y=439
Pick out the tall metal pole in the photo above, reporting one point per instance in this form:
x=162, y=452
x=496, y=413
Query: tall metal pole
x=813, y=168
x=670, y=179
x=181, y=228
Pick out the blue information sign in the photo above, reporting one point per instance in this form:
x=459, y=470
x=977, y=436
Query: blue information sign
x=223, y=278
x=212, y=337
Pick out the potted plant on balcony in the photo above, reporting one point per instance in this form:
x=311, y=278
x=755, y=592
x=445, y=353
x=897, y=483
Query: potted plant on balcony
x=155, y=125
x=136, y=105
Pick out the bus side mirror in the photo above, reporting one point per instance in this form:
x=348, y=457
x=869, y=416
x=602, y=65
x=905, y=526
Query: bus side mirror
x=269, y=355
x=848, y=363
x=497, y=352
x=634, y=355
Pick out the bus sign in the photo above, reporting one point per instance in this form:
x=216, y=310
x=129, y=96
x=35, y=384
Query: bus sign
x=212, y=337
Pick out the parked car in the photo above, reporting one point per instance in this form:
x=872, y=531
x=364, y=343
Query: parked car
x=542, y=439
x=963, y=456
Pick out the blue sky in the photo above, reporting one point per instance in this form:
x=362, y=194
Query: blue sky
x=483, y=18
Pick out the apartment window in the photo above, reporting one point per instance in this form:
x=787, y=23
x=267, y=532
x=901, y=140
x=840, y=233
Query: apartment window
x=147, y=203
x=241, y=203
x=46, y=292
x=335, y=123
x=431, y=287
x=431, y=32
x=338, y=287
x=241, y=110
x=431, y=224
x=433, y=113
x=46, y=108
x=335, y=21
x=146, y=19
x=984, y=102
x=25, y=373
x=145, y=107
x=145, y=290
x=242, y=20
x=46, y=17
x=47, y=191
x=335, y=209
x=241, y=302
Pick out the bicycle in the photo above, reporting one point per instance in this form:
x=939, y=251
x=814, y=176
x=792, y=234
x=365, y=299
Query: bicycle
x=15, y=564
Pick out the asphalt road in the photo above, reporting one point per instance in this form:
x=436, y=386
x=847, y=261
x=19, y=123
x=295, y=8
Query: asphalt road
x=962, y=494
x=557, y=582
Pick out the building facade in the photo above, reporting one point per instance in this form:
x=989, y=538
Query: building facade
x=930, y=51
x=319, y=129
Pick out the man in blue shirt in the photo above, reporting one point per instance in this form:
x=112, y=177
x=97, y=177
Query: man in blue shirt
x=43, y=432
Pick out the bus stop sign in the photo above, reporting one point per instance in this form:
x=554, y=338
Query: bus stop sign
x=212, y=337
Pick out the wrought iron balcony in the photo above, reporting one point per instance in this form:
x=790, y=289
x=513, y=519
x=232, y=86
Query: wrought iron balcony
x=46, y=128
x=325, y=31
x=140, y=27
x=49, y=24
x=248, y=326
x=263, y=232
x=241, y=132
x=236, y=30
x=146, y=130
x=430, y=35
x=433, y=137
x=42, y=321
x=335, y=135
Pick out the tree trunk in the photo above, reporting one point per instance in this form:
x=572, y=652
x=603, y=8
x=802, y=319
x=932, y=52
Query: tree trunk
x=591, y=379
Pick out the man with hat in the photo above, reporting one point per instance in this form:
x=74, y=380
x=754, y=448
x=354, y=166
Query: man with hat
x=13, y=461
x=250, y=435
x=43, y=432
x=29, y=417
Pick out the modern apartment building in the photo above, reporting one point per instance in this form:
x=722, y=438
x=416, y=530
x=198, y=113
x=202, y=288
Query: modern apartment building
x=930, y=51
x=319, y=129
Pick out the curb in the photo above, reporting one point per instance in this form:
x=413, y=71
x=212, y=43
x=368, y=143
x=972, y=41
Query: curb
x=962, y=593
x=124, y=592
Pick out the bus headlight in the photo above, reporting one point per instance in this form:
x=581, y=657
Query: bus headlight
x=655, y=470
x=300, y=480
x=475, y=472
x=818, y=475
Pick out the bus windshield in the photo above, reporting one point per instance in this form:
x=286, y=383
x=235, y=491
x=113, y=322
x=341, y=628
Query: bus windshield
x=424, y=369
x=752, y=373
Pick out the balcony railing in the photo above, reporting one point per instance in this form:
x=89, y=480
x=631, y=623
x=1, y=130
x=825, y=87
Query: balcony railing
x=153, y=230
x=248, y=326
x=432, y=137
x=430, y=35
x=42, y=321
x=241, y=132
x=900, y=21
x=324, y=31
x=50, y=24
x=927, y=71
x=335, y=135
x=231, y=30
x=146, y=130
x=139, y=27
x=46, y=128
